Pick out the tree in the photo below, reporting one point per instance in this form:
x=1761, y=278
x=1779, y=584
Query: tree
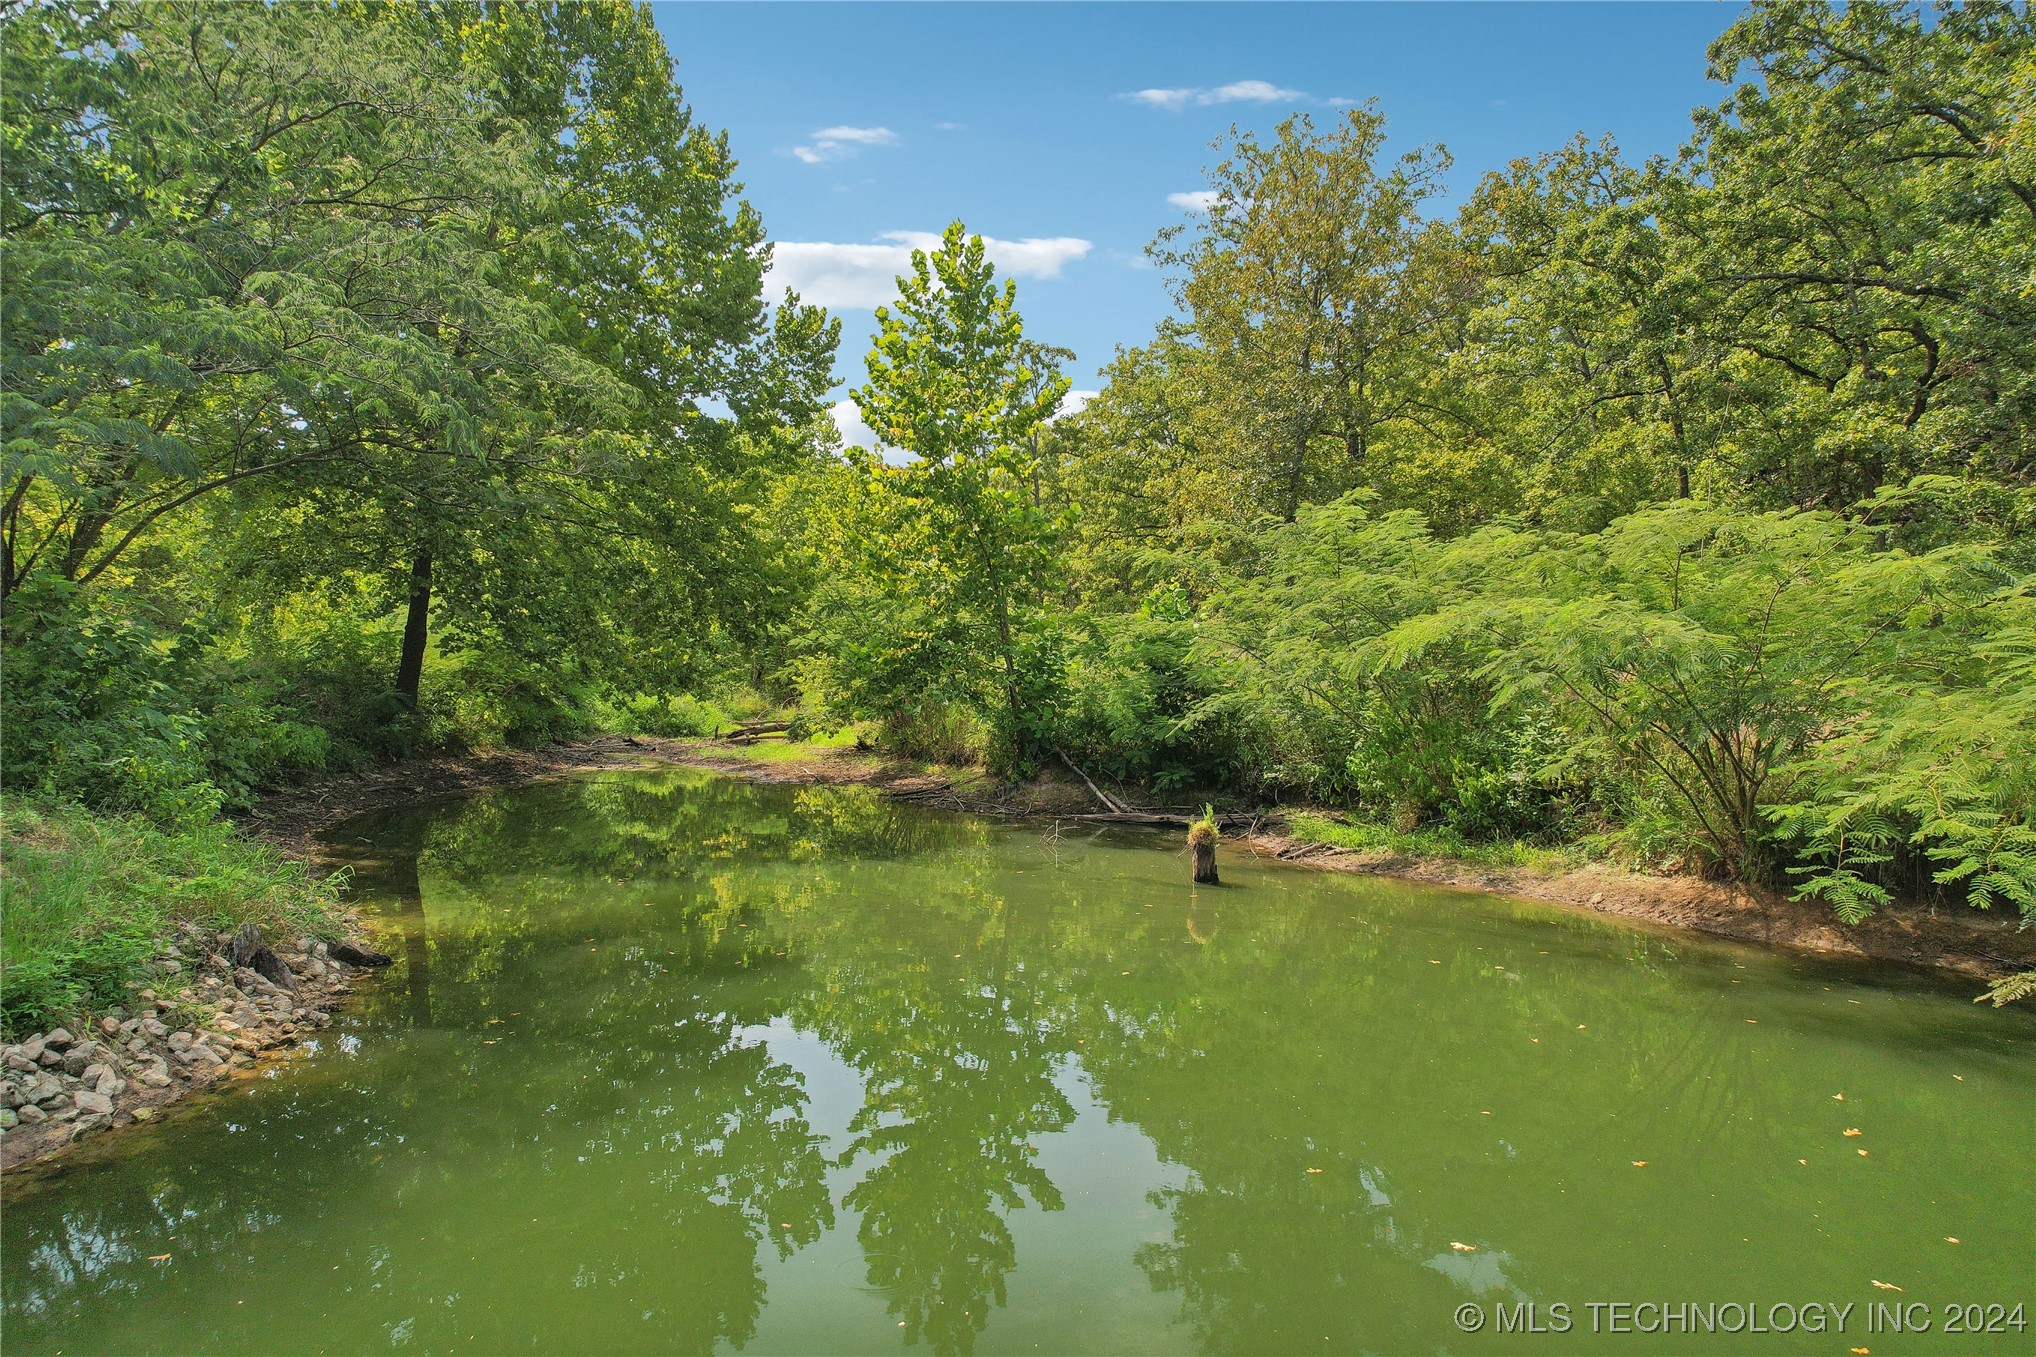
x=958, y=531
x=429, y=297
x=1582, y=356
x=1858, y=215
x=1323, y=294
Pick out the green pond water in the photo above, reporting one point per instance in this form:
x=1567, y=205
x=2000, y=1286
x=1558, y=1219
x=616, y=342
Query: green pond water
x=673, y=1063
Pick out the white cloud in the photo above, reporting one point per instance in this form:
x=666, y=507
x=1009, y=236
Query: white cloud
x=836, y=143
x=1073, y=401
x=847, y=277
x=1250, y=92
x=849, y=421
x=1236, y=92
x=1201, y=200
x=950, y=127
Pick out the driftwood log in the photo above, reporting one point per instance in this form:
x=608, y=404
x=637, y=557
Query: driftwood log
x=749, y=732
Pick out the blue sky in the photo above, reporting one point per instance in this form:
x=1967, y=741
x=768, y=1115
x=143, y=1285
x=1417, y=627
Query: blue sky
x=1062, y=130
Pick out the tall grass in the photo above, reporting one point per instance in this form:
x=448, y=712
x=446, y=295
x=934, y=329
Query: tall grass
x=85, y=902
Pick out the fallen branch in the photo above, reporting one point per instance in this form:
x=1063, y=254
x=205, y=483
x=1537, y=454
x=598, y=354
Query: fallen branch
x=1114, y=805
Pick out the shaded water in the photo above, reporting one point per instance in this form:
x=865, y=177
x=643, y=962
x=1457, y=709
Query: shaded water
x=671, y=1063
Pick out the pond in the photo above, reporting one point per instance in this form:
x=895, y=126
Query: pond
x=670, y=1062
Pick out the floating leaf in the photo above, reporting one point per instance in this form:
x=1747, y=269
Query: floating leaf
x=1463, y=1248
x=1640, y=1163
x=1886, y=1286
x=1854, y=1131
x=159, y=1258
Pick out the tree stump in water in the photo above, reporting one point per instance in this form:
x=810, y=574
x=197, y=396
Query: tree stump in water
x=1202, y=848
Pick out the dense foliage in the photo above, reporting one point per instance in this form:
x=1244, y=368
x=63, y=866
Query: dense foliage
x=379, y=378
x=334, y=331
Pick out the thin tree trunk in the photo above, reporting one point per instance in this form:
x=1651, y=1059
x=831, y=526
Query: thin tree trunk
x=416, y=628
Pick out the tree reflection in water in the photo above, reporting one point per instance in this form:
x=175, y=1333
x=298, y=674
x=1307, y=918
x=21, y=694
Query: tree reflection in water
x=557, y=1115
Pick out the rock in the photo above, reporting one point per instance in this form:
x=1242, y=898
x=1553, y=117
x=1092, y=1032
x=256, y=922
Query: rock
x=144, y=1114
x=89, y=1076
x=94, y=1104
x=57, y=1104
x=8, y=1120
x=154, y=1028
x=110, y=1084
x=110, y=1026
x=44, y=1088
x=250, y=951
x=154, y=1077
x=59, y=1039
x=173, y=967
x=201, y=1054
x=64, y=1114
x=357, y=956
x=17, y=1061
x=50, y=1058
x=32, y=1115
x=31, y=1050
x=75, y=1062
x=181, y=1041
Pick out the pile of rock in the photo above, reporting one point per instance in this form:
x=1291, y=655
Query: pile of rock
x=123, y=1063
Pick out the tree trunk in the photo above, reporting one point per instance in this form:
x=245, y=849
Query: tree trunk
x=416, y=628
x=1203, y=850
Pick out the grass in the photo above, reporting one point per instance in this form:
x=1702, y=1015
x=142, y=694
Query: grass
x=85, y=902
x=791, y=751
x=1432, y=842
